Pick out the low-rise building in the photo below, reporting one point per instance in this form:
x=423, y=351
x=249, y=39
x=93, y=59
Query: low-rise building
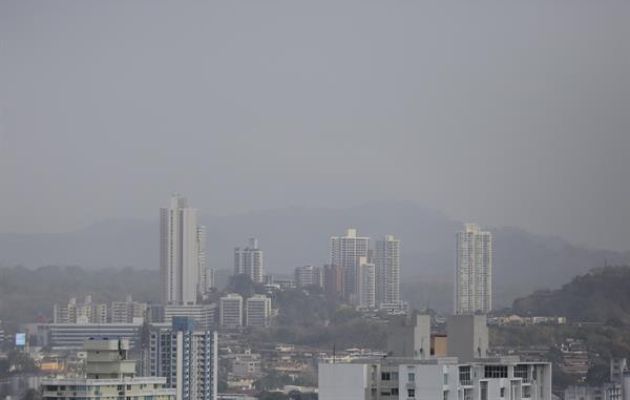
x=109, y=375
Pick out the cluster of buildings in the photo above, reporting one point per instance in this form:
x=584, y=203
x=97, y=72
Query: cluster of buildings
x=86, y=312
x=252, y=312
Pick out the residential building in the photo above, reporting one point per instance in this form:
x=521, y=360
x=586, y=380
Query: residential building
x=249, y=261
x=309, y=276
x=186, y=356
x=179, y=252
x=231, y=311
x=204, y=315
x=205, y=281
x=345, y=251
x=128, y=311
x=387, y=261
x=366, y=291
x=258, y=311
x=437, y=378
x=333, y=281
x=109, y=375
x=80, y=313
x=473, y=277
x=605, y=391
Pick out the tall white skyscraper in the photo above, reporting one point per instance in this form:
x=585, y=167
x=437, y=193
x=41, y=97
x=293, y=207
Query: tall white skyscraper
x=345, y=252
x=387, y=261
x=473, y=280
x=179, y=252
x=249, y=261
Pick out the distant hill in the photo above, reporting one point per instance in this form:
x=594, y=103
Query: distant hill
x=298, y=236
x=601, y=295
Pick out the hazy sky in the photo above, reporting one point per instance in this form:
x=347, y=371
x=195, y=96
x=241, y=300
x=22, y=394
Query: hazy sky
x=499, y=112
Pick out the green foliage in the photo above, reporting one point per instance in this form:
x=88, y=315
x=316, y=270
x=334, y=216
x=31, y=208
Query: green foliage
x=17, y=362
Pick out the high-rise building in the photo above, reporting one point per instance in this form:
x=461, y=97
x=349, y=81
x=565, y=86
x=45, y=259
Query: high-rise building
x=366, y=277
x=333, y=281
x=179, y=252
x=128, y=311
x=258, y=311
x=205, y=279
x=231, y=311
x=345, y=252
x=249, y=261
x=308, y=276
x=473, y=280
x=109, y=375
x=204, y=315
x=387, y=261
x=186, y=356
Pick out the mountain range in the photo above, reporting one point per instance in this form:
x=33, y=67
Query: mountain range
x=292, y=237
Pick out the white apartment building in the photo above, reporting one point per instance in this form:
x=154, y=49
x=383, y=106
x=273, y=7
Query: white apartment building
x=179, y=252
x=128, y=311
x=109, y=375
x=205, y=282
x=258, y=311
x=366, y=276
x=231, y=311
x=309, y=275
x=473, y=275
x=435, y=379
x=74, y=312
x=250, y=261
x=345, y=252
x=203, y=314
x=387, y=261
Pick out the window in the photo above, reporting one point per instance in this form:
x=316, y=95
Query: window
x=495, y=371
x=502, y=392
x=446, y=378
x=394, y=391
x=445, y=395
x=411, y=393
x=484, y=390
x=411, y=377
x=464, y=375
x=520, y=371
x=385, y=376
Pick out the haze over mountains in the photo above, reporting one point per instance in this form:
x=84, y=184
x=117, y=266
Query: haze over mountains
x=293, y=237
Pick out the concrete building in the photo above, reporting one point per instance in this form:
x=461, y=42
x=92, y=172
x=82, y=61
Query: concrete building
x=473, y=274
x=467, y=337
x=128, y=311
x=258, y=311
x=410, y=337
x=205, y=282
x=333, y=281
x=73, y=336
x=231, y=311
x=109, y=375
x=87, y=312
x=309, y=276
x=205, y=315
x=345, y=252
x=179, y=252
x=387, y=261
x=186, y=356
x=366, y=290
x=435, y=379
x=606, y=391
x=250, y=261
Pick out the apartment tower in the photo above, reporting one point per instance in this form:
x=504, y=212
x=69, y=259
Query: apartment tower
x=473, y=276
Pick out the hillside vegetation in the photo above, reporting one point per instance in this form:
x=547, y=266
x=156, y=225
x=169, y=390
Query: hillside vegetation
x=601, y=296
